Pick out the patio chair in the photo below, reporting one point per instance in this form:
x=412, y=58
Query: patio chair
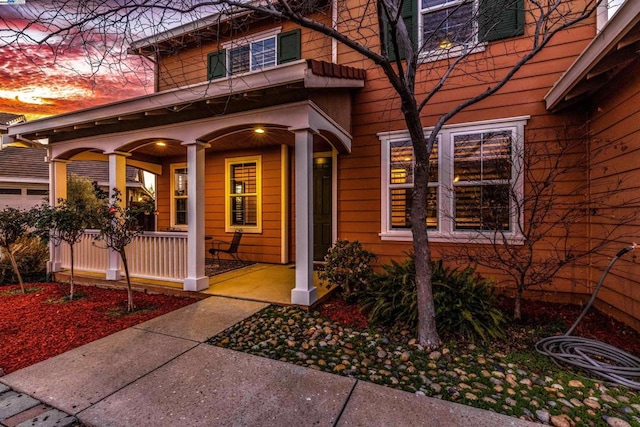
x=231, y=249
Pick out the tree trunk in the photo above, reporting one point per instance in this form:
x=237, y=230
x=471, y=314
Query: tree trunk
x=517, y=309
x=71, y=284
x=130, y=306
x=14, y=264
x=427, y=331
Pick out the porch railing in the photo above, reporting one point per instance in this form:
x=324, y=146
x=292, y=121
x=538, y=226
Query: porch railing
x=152, y=255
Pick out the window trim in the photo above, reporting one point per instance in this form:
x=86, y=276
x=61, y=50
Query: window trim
x=474, y=46
x=248, y=41
x=172, y=207
x=446, y=201
x=228, y=162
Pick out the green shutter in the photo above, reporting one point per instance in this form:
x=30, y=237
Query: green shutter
x=289, y=46
x=410, y=17
x=217, y=64
x=499, y=19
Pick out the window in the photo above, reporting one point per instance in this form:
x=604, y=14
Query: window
x=453, y=27
x=179, y=195
x=243, y=207
x=37, y=192
x=447, y=24
x=254, y=53
x=473, y=169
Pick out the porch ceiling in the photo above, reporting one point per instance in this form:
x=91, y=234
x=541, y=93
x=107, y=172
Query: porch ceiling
x=281, y=85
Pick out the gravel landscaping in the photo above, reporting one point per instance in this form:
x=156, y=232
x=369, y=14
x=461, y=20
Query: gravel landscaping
x=508, y=377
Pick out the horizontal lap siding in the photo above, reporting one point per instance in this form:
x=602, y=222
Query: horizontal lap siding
x=376, y=108
x=615, y=144
x=190, y=66
x=259, y=247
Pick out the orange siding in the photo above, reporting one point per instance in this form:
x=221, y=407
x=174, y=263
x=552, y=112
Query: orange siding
x=615, y=144
x=260, y=247
x=190, y=66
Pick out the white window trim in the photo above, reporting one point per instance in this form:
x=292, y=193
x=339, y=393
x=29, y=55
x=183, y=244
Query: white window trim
x=172, y=208
x=455, y=51
x=241, y=41
x=445, y=231
x=229, y=228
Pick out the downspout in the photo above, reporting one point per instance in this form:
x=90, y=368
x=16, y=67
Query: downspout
x=334, y=26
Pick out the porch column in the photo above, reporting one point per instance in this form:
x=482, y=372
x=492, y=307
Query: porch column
x=57, y=190
x=305, y=292
x=196, y=279
x=117, y=179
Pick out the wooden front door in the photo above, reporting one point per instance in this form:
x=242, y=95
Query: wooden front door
x=322, y=206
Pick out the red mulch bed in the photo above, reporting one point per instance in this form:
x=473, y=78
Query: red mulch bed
x=595, y=325
x=42, y=323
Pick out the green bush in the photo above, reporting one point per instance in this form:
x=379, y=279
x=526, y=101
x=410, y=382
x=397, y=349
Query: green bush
x=464, y=301
x=31, y=256
x=348, y=266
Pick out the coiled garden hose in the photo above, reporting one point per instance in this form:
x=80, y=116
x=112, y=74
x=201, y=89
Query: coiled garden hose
x=597, y=357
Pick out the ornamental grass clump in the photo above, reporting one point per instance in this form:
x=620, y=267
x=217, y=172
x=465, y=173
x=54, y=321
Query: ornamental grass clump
x=348, y=266
x=464, y=301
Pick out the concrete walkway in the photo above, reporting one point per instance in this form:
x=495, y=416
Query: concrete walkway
x=161, y=373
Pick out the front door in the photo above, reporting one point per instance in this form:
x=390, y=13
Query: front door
x=322, y=208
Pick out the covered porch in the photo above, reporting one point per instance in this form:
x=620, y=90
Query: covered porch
x=195, y=140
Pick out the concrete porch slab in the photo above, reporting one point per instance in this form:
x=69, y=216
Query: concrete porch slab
x=203, y=319
x=214, y=386
x=74, y=380
x=375, y=405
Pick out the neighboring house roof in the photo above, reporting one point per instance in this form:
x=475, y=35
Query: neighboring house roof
x=28, y=165
x=614, y=48
x=8, y=119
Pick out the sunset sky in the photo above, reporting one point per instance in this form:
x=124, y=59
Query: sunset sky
x=36, y=83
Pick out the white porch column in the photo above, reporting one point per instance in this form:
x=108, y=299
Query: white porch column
x=196, y=279
x=57, y=190
x=305, y=292
x=117, y=179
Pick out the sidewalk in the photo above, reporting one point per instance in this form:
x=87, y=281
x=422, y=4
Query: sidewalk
x=161, y=373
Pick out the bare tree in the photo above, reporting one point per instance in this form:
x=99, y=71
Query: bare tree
x=378, y=31
x=553, y=205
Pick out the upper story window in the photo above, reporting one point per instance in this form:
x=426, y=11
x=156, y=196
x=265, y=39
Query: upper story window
x=453, y=27
x=447, y=23
x=474, y=180
x=254, y=53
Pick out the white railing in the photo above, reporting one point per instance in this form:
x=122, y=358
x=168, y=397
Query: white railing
x=157, y=255
x=152, y=255
x=87, y=256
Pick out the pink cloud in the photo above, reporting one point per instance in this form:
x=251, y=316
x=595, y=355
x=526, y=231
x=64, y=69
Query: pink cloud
x=38, y=82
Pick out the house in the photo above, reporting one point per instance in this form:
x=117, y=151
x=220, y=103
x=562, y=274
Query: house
x=296, y=140
x=24, y=176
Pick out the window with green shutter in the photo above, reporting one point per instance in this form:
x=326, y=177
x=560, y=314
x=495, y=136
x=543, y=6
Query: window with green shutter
x=447, y=25
x=254, y=55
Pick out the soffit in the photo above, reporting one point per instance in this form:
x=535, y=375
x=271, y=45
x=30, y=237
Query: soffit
x=611, y=51
x=281, y=85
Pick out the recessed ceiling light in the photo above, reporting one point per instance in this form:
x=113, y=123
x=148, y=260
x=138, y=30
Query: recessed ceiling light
x=259, y=130
x=161, y=144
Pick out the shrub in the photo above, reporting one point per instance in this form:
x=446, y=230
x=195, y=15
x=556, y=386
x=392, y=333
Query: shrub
x=348, y=266
x=464, y=301
x=31, y=255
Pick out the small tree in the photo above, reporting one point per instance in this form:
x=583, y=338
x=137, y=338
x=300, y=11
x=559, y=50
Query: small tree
x=64, y=222
x=557, y=207
x=118, y=227
x=347, y=265
x=14, y=224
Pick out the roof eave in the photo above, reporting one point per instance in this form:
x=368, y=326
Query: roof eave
x=622, y=22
